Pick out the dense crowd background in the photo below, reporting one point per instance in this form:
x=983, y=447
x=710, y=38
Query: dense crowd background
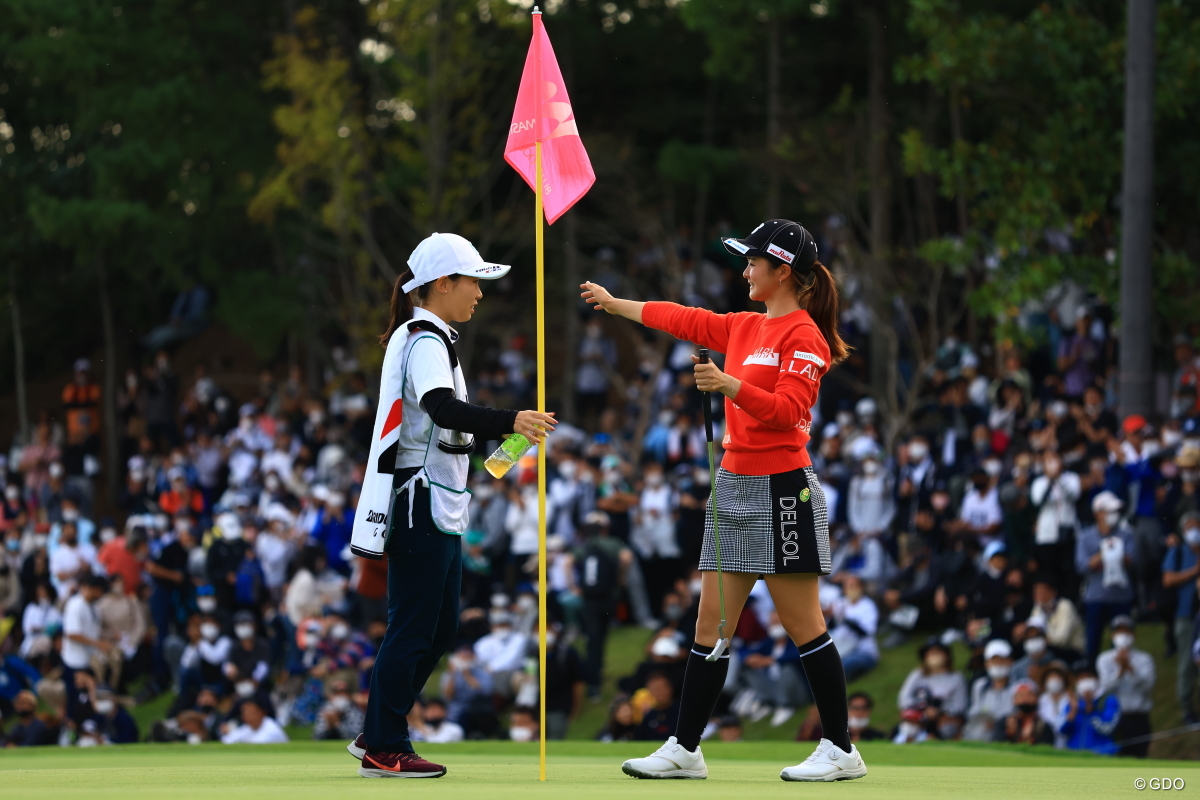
x=1018, y=515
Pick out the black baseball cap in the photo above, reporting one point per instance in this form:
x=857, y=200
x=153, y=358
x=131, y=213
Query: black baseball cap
x=781, y=240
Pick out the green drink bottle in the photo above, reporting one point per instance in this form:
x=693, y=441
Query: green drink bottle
x=507, y=454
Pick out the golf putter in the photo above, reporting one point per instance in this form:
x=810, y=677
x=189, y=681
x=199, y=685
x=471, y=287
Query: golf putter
x=722, y=643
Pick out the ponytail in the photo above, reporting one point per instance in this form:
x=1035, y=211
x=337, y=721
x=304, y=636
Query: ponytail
x=818, y=295
x=403, y=303
x=401, y=307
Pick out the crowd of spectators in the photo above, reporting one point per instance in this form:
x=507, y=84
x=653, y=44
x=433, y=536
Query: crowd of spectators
x=1018, y=521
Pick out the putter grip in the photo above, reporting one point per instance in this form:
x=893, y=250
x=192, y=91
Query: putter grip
x=706, y=401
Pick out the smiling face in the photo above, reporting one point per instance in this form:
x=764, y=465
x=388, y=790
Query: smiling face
x=764, y=281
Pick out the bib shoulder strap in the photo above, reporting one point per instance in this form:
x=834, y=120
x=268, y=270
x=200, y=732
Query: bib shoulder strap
x=426, y=325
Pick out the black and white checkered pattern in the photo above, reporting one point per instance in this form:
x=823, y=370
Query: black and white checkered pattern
x=747, y=527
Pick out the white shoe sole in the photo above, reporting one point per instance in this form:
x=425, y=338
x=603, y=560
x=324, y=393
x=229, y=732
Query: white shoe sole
x=357, y=752
x=684, y=774
x=383, y=773
x=844, y=775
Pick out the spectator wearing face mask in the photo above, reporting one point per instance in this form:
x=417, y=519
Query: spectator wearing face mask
x=38, y=617
x=225, y=557
x=332, y=531
x=870, y=499
x=70, y=561
x=772, y=672
x=1103, y=556
x=502, y=651
x=915, y=483
x=980, y=513
x=860, y=705
x=653, y=536
x=1055, y=699
x=987, y=595
x=1037, y=655
x=991, y=694
x=936, y=675
x=467, y=686
x=1059, y=617
x=113, y=722
x=855, y=618
x=1054, y=494
x=122, y=624
x=250, y=658
x=339, y=718
x=523, y=726
x=564, y=500
x=1129, y=674
x=30, y=730
x=664, y=656
x=432, y=725
x=204, y=657
x=1092, y=716
x=1181, y=568
x=256, y=727
x=1024, y=725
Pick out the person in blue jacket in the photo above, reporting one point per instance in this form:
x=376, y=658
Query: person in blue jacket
x=1091, y=719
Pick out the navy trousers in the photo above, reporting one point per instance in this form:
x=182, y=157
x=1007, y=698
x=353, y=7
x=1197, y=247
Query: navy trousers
x=424, y=580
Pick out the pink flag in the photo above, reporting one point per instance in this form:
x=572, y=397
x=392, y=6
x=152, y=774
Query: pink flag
x=543, y=114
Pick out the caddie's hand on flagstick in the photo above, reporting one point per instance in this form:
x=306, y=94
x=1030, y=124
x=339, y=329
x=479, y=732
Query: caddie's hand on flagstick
x=534, y=425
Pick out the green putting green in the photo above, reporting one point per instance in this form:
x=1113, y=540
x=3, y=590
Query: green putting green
x=577, y=770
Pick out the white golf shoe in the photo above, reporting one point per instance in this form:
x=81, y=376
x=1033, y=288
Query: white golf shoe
x=669, y=761
x=827, y=763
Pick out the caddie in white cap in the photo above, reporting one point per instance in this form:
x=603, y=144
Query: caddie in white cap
x=413, y=504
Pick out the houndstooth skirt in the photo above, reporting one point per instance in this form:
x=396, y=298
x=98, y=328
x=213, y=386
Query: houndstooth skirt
x=770, y=524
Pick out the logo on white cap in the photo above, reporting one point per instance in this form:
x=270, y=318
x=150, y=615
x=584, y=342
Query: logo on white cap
x=442, y=254
x=780, y=253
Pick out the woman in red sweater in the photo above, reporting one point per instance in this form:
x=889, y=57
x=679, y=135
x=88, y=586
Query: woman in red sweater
x=772, y=509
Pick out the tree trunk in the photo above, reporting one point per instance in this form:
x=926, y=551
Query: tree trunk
x=19, y=357
x=774, y=179
x=1137, y=213
x=438, y=129
x=571, y=279
x=700, y=210
x=883, y=346
x=112, y=440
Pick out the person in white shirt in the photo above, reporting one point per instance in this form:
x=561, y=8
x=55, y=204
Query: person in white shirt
x=1055, y=700
x=992, y=694
x=434, y=727
x=274, y=548
x=81, y=639
x=256, y=728
x=855, y=620
x=38, y=615
x=653, y=535
x=980, y=512
x=502, y=652
x=521, y=521
x=1054, y=494
x=870, y=502
x=70, y=560
x=1129, y=674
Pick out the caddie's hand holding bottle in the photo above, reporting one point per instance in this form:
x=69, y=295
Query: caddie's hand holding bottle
x=530, y=428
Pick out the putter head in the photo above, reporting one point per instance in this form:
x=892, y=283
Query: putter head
x=718, y=650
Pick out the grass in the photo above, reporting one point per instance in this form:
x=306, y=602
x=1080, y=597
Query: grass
x=579, y=770
x=625, y=651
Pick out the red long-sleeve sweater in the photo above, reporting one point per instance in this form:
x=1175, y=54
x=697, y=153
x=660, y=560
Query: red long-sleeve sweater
x=780, y=363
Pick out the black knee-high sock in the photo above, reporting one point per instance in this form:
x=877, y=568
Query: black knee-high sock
x=702, y=684
x=827, y=679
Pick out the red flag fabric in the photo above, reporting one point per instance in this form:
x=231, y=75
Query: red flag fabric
x=543, y=113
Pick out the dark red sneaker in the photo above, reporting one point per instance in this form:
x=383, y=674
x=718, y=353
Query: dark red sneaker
x=358, y=748
x=398, y=765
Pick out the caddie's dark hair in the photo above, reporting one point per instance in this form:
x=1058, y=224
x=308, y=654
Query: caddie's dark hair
x=818, y=295
x=402, y=303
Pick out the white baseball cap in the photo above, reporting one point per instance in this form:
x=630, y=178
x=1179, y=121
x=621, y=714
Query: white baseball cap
x=449, y=254
x=997, y=647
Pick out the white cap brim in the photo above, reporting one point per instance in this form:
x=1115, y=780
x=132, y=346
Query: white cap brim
x=484, y=271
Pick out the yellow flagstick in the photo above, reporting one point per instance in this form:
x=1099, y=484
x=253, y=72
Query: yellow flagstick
x=541, y=469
